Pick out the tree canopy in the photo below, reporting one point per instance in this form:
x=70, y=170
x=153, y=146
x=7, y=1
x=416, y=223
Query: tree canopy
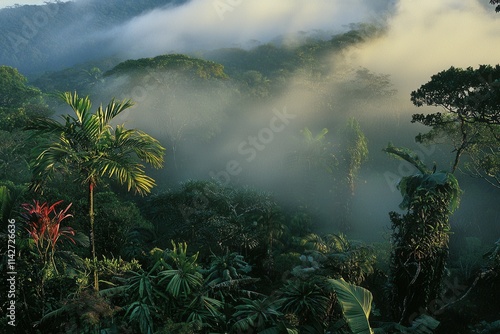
x=496, y=2
x=201, y=68
x=472, y=95
x=470, y=99
x=14, y=91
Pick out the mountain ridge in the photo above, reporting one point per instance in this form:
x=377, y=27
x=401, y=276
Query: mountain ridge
x=61, y=34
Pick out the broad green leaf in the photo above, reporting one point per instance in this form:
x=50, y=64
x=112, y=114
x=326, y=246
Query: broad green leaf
x=356, y=304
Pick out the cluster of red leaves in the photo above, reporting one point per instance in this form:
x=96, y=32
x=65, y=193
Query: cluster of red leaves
x=44, y=224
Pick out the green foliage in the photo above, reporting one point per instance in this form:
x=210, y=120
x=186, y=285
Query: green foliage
x=211, y=218
x=408, y=155
x=83, y=314
x=200, y=68
x=115, y=220
x=283, y=263
x=87, y=144
x=204, y=312
x=356, y=304
x=318, y=151
x=182, y=277
x=493, y=268
x=5, y=203
x=81, y=78
x=309, y=300
x=420, y=237
x=138, y=242
x=317, y=159
x=255, y=84
x=256, y=315
x=142, y=292
x=334, y=256
x=14, y=91
x=427, y=182
x=190, y=96
x=435, y=184
x=470, y=94
x=15, y=149
x=172, y=294
x=356, y=150
x=309, y=164
x=172, y=327
x=226, y=268
x=277, y=62
x=140, y=313
x=18, y=101
x=471, y=121
x=227, y=279
x=111, y=269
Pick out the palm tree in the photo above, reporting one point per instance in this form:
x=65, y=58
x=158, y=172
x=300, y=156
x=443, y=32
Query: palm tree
x=256, y=315
x=182, y=276
x=89, y=145
x=310, y=300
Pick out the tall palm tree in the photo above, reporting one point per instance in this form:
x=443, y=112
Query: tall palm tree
x=87, y=143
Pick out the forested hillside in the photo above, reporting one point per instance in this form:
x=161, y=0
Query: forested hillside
x=35, y=39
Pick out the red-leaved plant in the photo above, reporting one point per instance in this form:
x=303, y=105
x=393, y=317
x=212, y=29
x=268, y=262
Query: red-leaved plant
x=44, y=226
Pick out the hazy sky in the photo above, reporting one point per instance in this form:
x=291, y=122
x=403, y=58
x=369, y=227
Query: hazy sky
x=424, y=36
x=429, y=36
x=206, y=24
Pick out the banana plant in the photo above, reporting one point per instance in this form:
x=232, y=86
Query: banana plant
x=356, y=305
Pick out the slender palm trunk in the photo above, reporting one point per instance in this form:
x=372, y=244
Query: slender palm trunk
x=92, y=235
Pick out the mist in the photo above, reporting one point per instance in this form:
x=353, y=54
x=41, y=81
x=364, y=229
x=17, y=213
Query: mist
x=426, y=37
x=419, y=40
x=204, y=25
x=212, y=130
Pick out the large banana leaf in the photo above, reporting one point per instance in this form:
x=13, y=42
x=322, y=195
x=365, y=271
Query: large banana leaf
x=356, y=304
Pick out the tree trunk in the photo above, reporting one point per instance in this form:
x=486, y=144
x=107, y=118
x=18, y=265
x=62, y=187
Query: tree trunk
x=92, y=235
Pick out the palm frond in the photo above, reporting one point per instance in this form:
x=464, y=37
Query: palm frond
x=124, y=169
x=113, y=109
x=80, y=106
x=143, y=145
x=44, y=125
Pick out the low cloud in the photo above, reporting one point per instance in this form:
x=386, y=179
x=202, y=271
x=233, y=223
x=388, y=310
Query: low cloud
x=202, y=24
x=427, y=36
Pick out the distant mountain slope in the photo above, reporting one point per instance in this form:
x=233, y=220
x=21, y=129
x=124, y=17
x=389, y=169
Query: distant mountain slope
x=259, y=70
x=61, y=34
x=198, y=67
